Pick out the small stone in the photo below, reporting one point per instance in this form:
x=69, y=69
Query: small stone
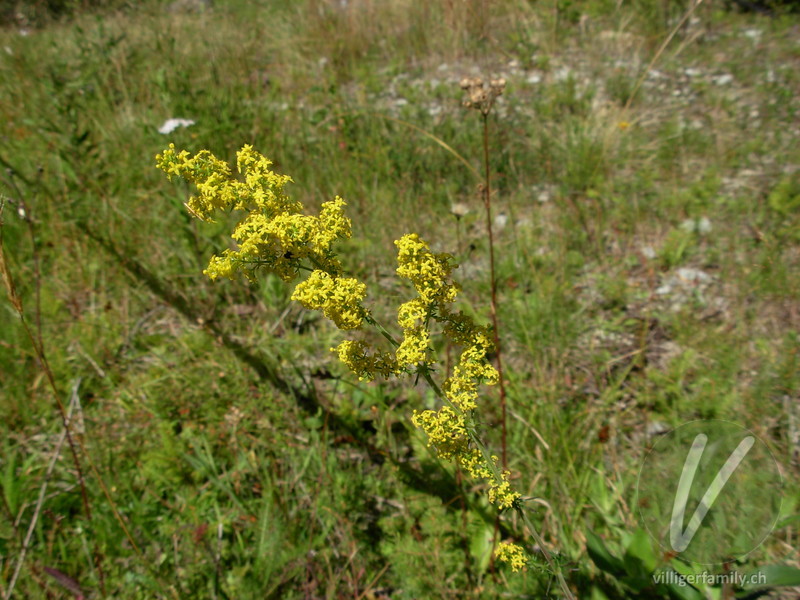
x=701, y=225
x=691, y=275
x=655, y=428
x=753, y=34
x=534, y=78
x=724, y=79
x=171, y=125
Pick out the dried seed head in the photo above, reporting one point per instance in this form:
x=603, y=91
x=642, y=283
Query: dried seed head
x=481, y=96
x=459, y=210
x=497, y=86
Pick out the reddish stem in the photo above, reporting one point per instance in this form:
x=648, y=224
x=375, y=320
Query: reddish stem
x=487, y=202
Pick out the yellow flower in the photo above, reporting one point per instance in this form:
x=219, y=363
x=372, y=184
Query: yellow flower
x=472, y=462
x=413, y=350
x=412, y=314
x=339, y=298
x=427, y=271
x=501, y=494
x=356, y=356
x=273, y=234
x=445, y=429
x=511, y=554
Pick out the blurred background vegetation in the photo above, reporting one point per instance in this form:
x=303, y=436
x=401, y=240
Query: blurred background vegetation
x=648, y=248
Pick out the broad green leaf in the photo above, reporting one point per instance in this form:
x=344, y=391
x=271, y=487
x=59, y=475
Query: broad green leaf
x=772, y=576
x=639, y=556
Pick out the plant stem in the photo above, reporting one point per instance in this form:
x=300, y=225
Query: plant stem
x=487, y=202
x=562, y=583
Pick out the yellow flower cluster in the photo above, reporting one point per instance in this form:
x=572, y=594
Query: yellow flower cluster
x=430, y=274
x=447, y=428
x=446, y=431
x=339, y=298
x=511, y=554
x=273, y=234
x=461, y=388
x=501, y=493
x=261, y=188
x=356, y=356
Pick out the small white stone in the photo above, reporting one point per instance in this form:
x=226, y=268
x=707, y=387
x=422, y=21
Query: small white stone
x=656, y=428
x=753, y=34
x=691, y=275
x=688, y=225
x=171, y=125
x=724, y=79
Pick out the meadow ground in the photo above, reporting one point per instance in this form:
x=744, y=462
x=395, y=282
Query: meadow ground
x=647, y=242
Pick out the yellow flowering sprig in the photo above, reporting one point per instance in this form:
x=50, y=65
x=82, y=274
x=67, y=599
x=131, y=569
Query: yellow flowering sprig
x=273, y=235
x=449, y=428
x=276, y=236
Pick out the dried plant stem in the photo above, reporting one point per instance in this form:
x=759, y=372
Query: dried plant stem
x=694, y=5
x=487, y=202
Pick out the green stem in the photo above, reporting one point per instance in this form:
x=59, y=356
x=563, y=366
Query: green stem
x=562, y=583
x=383, y=331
